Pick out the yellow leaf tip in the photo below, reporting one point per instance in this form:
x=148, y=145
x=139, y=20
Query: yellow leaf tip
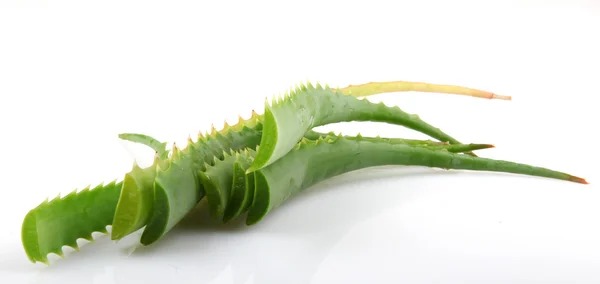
x=501, y=97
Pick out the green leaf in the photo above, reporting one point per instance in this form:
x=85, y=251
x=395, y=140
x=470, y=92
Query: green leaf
x=311, y=162
x=287, y=120
x=176, y=192
x=61, y=222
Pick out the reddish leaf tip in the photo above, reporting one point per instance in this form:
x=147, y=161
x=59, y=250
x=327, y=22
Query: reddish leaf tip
x=578, y=180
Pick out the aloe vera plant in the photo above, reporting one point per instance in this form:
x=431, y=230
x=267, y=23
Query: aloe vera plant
x=255, y=165
x=213, y=146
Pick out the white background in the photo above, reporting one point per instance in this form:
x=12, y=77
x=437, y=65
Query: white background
x=74, y=74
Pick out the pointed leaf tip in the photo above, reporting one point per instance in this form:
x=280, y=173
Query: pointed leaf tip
x=578, y=180
x=501, y=97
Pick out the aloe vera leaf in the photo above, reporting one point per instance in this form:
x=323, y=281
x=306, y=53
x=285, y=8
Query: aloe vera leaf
x=135, y=203
x=217, y=181
x=159, y=147
x=242, y=191
x=225, y=183
x=308, y=106
x=454, y=148
x=137, y=195
x=62, y=221
x=176, y=192
x=373, y=88
x=229, y=195
x=224, y=192
x=313, y=161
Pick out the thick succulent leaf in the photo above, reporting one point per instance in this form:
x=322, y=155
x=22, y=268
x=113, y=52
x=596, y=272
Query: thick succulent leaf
x=224, y=195
x=287, y=120
x=242, y=190
x=217, y=181
x=176, y=192
x=454, y=148
x=62, y=221
x=241, y=193
x=311, y=162
x=135, y=203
